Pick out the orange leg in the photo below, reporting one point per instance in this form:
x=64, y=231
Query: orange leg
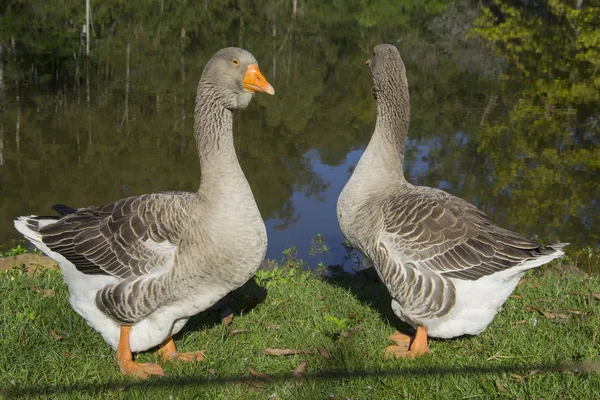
x=125, y=359
x=168, y=352
x=406, y=348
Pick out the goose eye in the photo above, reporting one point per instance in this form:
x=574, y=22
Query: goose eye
x=235, y=62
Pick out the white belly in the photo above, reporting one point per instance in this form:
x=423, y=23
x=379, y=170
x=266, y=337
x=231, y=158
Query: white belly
x=477, y=302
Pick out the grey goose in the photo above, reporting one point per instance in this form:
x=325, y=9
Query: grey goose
x=139, y=268
x=447, y=267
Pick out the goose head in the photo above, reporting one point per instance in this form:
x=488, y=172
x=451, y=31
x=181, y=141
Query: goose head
x=233, y=76
x=388, y=72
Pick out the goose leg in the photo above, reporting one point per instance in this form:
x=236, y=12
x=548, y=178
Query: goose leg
x=405, y=347
x=125, y=359
x=167, y=352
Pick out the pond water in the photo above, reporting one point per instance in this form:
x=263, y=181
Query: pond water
x=90, y=130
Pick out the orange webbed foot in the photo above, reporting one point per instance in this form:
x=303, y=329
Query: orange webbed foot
x=140, y=370
x=406, y=347
x=168, y=352
x=125, y=359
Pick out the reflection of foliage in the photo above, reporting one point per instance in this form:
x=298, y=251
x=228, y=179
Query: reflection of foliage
x=554, y=51
x=120, y=122
x=134, y=134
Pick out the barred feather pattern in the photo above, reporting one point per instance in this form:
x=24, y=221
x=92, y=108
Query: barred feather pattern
x=161, y=258
x=423, y=242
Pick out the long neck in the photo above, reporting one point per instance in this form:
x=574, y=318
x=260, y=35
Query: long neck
x=213, y=126
x=383, y=158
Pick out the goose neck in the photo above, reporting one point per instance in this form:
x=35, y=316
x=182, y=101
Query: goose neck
x=213, y=126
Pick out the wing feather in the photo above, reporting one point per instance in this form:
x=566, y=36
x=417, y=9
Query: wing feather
x=441, y=233
x=120, y=239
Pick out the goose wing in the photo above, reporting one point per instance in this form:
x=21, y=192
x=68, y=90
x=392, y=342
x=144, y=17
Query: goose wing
x=128, y=238
x=437, y=232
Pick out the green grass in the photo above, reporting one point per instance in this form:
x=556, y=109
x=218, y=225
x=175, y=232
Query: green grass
x=523, y=354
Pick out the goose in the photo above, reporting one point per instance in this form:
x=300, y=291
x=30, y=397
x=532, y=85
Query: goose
x=139, y=268
x=447, y=267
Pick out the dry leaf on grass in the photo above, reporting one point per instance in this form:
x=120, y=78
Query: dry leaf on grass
x=351, y=331
x=499, y=386
x=259, y=375
x=577, y=312
x=300, y=369
x=231, y=332
x=515, y=296
x=545, y=313
x=322, y=352
x=228, y=319
x=527, y=281
x=519, y=378
x=319, y=296
x=271, y=351
x=594, y=295
x=55, y=335
x=45, y=292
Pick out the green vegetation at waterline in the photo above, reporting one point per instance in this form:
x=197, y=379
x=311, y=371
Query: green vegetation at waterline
x=334, y=326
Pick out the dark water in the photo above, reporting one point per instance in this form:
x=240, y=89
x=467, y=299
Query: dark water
x=87, y=131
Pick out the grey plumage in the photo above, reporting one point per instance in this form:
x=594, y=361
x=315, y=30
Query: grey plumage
x=422, y=241
x=167, y=256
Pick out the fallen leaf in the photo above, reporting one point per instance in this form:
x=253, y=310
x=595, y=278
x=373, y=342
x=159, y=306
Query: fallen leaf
x=515, y=296
x=519, y=378
x=55, y=335
x=351, y=316
x=545, y=313
x=234, y=331
x=45, y=292
x=272, y=326
x=578, y=312
x=319, y=296
x=499, y=386
x=553, y=315
x=259, y=375
x=351, y=331
x=227, y=320
x=279, y=302
x=271, y=351
x=594, y=295
x=323, y=352
x=300, y=369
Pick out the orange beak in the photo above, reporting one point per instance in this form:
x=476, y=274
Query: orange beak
x=368, y=62
x=254, y=81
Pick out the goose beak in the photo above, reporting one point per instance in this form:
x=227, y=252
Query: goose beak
x=254, y=81
x=368, y=62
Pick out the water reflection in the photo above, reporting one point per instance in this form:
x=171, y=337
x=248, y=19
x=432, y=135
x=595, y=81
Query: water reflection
x=89, y=131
